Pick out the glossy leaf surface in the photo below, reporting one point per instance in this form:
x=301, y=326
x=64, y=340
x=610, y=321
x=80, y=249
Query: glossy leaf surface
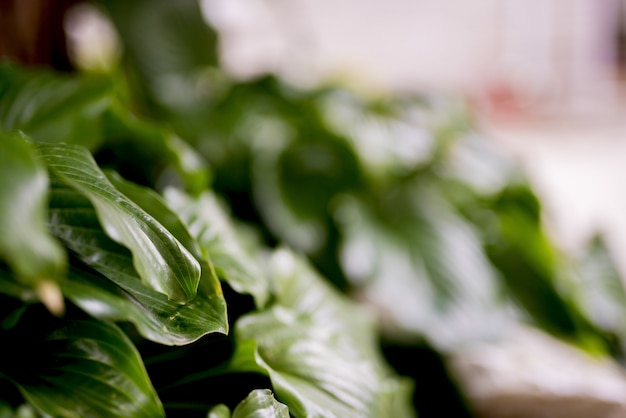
x=161, y=260
x=210, y=224
x=82, y=368
x=261, y=404
x=319, y=351
x=123, y=296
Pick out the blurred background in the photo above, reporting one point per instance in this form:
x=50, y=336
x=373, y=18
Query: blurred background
x=544, y=78
x=534, y=85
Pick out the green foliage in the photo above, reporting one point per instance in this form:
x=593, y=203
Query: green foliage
x=82, y=368
x=258, y=404
x=225, y=250
x=138, y=257
x=161, y=261
x=25, y=243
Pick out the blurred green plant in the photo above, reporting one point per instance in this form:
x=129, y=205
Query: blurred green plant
x=204, y=245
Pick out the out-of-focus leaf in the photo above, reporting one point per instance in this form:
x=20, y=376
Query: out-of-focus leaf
x=36, y=258
x=22, y=411
x=423, y=267
x=295, y=187
x=390, y=136
x=167, y=46
x=157, y=318
x=78, y=369
x=152, y=153
x=519, y=248
x=161, y=261
x=208, y=221
x=219, y=411
x=600, y=290
x=320, y=365
x=53, y=108
x=84, y=110
x=25, y=242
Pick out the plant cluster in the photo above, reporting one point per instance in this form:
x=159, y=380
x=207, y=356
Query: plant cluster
x=176, y=242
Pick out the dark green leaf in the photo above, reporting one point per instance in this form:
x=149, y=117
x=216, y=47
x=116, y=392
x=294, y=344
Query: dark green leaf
x=82, y=368
x=151, y=202
x=53, y=108
x=209, y=223
x=74, y=221
x=260, y=403
x=167, y=45
x=320, y=365
x=519, y=247
x=152, y=152
x=161, y=261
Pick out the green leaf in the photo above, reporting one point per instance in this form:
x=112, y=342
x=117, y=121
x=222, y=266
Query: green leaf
x=320, y=365
x=22, y=411
x=210, y=224
x=599, y=289
x=219, y=411
x=53, y=108
x=166, y=45
x=123, y=296
x=422, y=265
x=162, y=262
x=153, y=152
x=518, y=246
x=80, y=368
x=260, y=403
x=25, y=242
x=152, y=202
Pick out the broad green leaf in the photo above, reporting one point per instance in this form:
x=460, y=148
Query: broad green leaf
x=151, y=202
x=260, y=403
x=320, y=365
x=85, y=110
x=54, y=108
x=317, y=372
x=162, y=262
x=209, y=223
x=25, y=242
x=79, y=369
x=123, y=296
